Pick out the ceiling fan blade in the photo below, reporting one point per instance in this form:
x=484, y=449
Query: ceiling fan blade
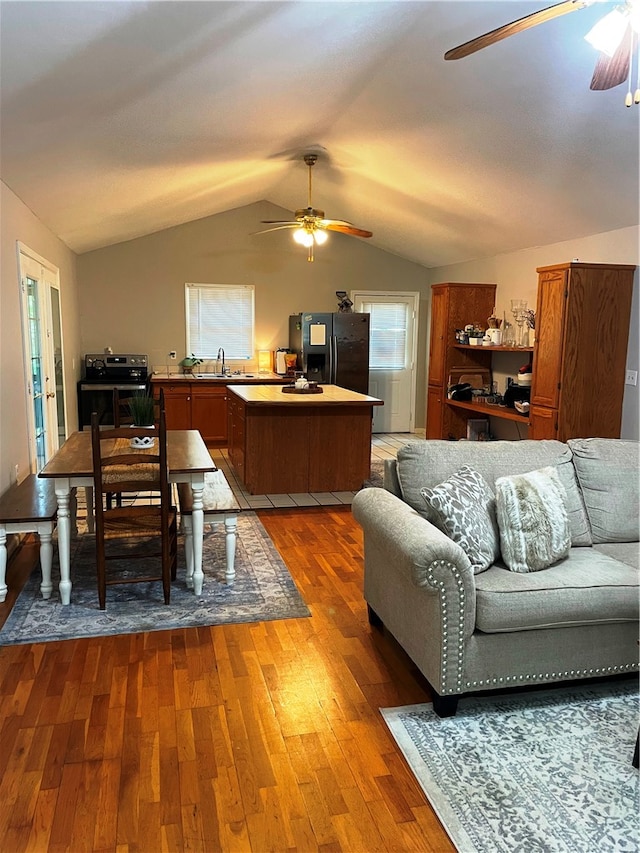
x=613, y=70
x=278, y=228
x=344, y=228
x=518, y=26
x=279, y=222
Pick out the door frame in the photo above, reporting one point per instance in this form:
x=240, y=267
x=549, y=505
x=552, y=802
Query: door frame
x=405, y=294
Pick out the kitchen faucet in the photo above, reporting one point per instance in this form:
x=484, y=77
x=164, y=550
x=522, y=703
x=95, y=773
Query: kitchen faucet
x=218, y=359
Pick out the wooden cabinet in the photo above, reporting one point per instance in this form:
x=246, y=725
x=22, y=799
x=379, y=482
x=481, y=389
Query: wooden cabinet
x=209, y=412
x=582, y=325
x=453, y=306
x=298, y=444
x=236, y=433
x=177, y=404
x=190, y=405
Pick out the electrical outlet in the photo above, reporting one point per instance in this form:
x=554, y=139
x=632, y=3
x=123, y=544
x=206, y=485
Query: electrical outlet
x=172, y=354
x=631, y=377
x=16, y=472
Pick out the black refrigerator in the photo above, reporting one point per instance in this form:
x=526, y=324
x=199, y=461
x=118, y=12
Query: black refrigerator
x=332, y=348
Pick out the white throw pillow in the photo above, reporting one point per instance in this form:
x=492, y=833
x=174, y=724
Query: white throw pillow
x=533, y=520
x=463, y=507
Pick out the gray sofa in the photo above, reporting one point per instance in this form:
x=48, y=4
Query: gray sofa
x=496, y=629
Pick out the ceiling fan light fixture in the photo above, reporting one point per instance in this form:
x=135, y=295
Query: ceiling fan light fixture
x=608, y=32
x=303, y=237
x=320, y=236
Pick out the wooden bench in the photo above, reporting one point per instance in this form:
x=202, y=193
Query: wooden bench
x=29, y=507
x=219, y=504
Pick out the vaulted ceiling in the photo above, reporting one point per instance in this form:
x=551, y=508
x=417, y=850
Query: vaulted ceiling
x=123, y=118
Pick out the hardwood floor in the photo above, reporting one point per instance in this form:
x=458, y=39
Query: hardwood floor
x=254, y=737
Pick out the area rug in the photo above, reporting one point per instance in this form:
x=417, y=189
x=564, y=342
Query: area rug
x=375, y=480
x=538, y=771
x=263, y=590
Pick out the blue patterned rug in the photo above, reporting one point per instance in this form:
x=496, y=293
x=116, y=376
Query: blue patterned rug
x=263, y=590
x=542, y=771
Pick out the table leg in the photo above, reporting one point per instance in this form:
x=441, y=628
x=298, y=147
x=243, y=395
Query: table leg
x=45, y=532
x=188, y=549
x=63, y=489
x=88, y=498
x=197, y=525
x=230, y=528
x=3, y=563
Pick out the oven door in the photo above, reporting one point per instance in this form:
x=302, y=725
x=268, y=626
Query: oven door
x=98, y=397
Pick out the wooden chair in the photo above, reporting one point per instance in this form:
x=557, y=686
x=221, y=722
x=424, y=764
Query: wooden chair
x=118, y=468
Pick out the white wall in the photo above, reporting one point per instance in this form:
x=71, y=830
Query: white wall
x=19, y=224
x=516, y=277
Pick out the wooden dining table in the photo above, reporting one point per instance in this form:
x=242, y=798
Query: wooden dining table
x=71, y=467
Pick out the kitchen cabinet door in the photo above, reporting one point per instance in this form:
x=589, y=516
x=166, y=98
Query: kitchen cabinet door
x=550, y=320
x=543, y=422
x=177, y=405
x=435, y=407
x=209, y=412
x=439, y=329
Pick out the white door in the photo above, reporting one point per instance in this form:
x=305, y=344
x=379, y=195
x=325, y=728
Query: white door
x=392, y=356
x=43, y=357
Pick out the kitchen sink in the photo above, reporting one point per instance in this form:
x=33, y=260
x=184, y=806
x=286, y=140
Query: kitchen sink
x=232, y=376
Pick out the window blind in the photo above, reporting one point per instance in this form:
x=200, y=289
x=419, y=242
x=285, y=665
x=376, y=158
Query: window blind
x=220, y=315
x=388, y=335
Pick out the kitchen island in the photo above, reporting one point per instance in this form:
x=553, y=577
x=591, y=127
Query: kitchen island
x=282, y=443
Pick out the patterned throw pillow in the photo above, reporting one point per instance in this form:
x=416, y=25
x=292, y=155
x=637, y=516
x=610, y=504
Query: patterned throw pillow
x=533, y=520
x=463, y=507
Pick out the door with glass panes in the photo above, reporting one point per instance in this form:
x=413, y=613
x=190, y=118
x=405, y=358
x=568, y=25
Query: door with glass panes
x=43, y=356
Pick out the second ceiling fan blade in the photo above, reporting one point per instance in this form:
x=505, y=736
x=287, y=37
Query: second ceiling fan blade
x=514, y=27
x=344, y=228
x=611, y=71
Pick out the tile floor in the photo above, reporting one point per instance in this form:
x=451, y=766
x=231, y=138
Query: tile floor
x=383, y=446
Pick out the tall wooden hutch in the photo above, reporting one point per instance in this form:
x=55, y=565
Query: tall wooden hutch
x=582, y=329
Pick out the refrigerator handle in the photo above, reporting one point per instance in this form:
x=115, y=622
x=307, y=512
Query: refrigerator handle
x=334, y=361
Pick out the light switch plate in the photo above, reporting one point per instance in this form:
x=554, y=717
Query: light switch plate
x=631, y=377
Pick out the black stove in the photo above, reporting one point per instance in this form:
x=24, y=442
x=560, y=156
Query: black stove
x=110, y=367
x=103, y=373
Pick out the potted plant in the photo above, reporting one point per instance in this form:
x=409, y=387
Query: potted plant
x=187, y=364
x=141, y=408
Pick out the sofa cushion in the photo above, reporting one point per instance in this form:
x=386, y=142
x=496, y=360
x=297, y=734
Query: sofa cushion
x=625, y=552
x=532, y=519
x=424, y=464
x=607, y=470
x=464, y=507
x=587, y=588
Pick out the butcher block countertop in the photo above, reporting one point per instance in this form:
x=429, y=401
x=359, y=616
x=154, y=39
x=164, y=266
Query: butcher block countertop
x=272, y=395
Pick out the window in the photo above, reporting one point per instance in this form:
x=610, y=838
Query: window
x=388, y=342
x=220, y=315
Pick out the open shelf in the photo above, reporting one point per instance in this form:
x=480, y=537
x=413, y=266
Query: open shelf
x=487, y=410
x=493, y=349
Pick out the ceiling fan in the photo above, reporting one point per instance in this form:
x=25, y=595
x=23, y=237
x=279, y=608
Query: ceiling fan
x=310, y=225
x=615, y=36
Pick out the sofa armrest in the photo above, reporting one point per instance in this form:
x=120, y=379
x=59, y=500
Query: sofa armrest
x=398, y=539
